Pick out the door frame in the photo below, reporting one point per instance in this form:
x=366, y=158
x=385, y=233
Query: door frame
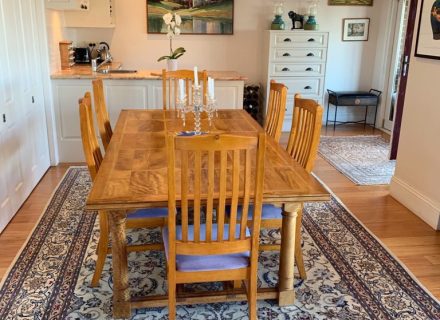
x=43, y=46
x=411, y=28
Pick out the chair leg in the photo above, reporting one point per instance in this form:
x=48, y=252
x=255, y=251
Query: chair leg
x=298, y=250
x=171, y=297
x=102, y=248
x=252, y=299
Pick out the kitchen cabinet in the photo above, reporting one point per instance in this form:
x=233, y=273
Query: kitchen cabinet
x=24, y=150
x=298, y=60
x=80, y=5
x=99, y=15
x=120, y=94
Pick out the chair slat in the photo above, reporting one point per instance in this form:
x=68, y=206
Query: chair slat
x=246, y=196
x=222, y=197
x=197, y=180
x=235, y=194
x=184, y=193
x=210, y=201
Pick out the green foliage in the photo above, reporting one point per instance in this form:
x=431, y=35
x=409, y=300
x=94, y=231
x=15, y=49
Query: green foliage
x=175, y=54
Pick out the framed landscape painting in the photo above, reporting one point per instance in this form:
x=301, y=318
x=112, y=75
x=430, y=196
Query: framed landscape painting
x=356, y=29
x=428, y=35
x=198, y=16
x=350, y=2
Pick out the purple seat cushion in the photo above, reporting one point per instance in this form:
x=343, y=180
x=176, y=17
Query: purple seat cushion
x=149, y=213
x=191, y=263
x=269, y=211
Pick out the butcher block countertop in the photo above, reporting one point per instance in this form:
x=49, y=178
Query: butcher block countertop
x=85, y=72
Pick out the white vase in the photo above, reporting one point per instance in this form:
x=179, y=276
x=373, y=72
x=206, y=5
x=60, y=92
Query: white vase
x=172, y=64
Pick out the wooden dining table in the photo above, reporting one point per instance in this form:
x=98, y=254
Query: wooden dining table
x=134, y=175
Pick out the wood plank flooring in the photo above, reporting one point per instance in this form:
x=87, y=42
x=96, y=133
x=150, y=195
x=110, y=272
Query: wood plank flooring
x=407, y=236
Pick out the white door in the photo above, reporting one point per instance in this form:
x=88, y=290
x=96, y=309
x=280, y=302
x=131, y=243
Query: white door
x=24, y=151
x=399, y=13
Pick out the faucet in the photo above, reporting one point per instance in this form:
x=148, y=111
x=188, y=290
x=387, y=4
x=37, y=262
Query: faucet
x=105, y=54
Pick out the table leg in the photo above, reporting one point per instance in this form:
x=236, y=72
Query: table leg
x=287, y=254
x=121, y=290
x=336, y=114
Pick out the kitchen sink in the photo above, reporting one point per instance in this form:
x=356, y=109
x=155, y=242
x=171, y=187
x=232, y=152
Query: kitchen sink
x=109, y=71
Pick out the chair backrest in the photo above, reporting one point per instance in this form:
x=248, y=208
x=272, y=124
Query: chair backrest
x=214, y=171
x=170, y=86
x=305, y=133
x=92, y=151
x=276, y=108
x=104, y=126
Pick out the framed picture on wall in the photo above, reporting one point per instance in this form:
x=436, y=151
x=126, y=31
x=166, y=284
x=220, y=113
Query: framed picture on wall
x=355, y=29
x=428, y=35
x=350, y=2
x=198, y=16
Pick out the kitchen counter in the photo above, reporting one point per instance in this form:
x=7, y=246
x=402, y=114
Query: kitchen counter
x=85, y=72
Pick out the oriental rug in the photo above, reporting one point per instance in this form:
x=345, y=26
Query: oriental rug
x=350, y=274
x=362, y=159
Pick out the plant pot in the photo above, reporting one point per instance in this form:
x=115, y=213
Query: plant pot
x=172, y=64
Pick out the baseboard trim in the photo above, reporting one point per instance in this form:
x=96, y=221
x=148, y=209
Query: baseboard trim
x=418, y=203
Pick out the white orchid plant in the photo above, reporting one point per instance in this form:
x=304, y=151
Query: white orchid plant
x=173, y=22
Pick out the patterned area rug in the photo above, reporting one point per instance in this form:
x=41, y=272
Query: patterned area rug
x=350, y=275
x=362, y=159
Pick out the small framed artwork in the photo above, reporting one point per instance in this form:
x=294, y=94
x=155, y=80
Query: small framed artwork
x=198, y=16
x=428, y=35
x=350, y=2
x=355, y=29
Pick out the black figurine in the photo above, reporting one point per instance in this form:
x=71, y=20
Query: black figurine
x=296, y=18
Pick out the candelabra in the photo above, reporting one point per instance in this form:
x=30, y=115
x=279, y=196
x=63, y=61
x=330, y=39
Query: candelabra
x=197, y=108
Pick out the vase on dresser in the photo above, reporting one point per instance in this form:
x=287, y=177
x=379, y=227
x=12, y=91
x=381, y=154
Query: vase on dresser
x=172, y=65
x=298, y=59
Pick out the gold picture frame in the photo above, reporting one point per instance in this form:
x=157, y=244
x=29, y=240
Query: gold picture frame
x=350, y=2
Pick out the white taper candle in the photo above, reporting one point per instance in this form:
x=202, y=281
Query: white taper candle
x=181, y=89
x=196, y=77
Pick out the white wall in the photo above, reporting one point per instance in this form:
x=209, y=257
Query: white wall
x=416, y=180
x=351, y=65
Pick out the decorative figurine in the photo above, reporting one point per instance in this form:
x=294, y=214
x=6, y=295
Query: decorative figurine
x=297, y=20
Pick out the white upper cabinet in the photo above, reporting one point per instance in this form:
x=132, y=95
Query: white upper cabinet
x=81, y=5
x=99, y=15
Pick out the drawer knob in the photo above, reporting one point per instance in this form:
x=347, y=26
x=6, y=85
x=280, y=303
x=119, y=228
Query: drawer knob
x=310, y=54
x=286, y=69
x=311, y=40
x=287, y=40
x=307, y=88
x=309, y=69
x=286, y=54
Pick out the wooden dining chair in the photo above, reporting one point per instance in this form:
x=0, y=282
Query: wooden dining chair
x=170, y=86
x=303, y=147
x=276, y=108
x=104, y=126
x=143, y=218
x=214, y=170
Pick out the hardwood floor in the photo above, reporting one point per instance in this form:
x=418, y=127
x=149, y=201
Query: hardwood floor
x=407, y=236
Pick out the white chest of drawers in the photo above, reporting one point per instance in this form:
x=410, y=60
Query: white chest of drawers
x=298, y=59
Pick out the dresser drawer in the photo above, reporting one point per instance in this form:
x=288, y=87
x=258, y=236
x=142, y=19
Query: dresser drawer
x=297, y=70
x=304, y=86
x=291, y=40
x=299, y=55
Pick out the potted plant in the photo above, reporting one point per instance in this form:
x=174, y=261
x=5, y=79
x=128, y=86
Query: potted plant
x=173, y=21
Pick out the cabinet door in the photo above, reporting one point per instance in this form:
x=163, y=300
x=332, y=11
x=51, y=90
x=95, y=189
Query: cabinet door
x=229, y=94
x=124, y=95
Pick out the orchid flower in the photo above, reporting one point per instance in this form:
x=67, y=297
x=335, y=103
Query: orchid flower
x=173, y=21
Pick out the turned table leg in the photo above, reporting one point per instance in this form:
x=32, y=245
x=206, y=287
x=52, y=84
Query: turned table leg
x=287, y=254
x=121, y=290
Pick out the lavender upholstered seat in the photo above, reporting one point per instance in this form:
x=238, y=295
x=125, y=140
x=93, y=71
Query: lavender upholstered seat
x=186, y=263
x=269, y=212
x=149, y=213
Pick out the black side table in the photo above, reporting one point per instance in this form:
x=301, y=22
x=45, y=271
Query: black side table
x=353, y=98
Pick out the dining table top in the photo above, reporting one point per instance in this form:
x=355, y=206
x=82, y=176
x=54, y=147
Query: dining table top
x=134, y=171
